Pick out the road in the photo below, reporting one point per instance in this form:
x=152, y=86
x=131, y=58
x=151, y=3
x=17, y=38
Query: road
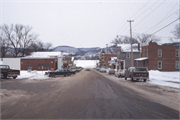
x=86, y=95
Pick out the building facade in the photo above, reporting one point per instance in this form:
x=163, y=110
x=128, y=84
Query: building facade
x=163, y=57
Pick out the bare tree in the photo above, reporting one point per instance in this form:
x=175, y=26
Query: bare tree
x=47, y=46
x=176, y=33
x=123, y=40
x=143, y=38
x=4, y=45
x=19, y=37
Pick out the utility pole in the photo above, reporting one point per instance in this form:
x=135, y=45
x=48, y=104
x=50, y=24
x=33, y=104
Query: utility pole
x=107, y=56
x=131, y=42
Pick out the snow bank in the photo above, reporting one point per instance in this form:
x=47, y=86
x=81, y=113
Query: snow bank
x=86, y=63
x=33, y=75
x=171, y=79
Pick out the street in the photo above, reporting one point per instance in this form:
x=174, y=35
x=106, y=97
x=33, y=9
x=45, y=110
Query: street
x=87, y=95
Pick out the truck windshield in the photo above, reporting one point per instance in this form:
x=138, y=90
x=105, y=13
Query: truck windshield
x=141, y=69
x=4, y=66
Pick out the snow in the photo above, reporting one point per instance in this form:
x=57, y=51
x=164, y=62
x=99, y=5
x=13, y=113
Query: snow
x=33, y=75
x=140, y=59
x=171, y=79
x=45, y=54
x=86, y=63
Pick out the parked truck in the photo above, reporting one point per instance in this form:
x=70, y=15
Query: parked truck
x=7, y=72
x=137, y=73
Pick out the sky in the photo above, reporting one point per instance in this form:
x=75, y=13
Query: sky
x=91, y=23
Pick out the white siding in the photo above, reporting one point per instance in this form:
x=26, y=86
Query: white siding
x=14, y=63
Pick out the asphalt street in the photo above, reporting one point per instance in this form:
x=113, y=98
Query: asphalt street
x=85, y=95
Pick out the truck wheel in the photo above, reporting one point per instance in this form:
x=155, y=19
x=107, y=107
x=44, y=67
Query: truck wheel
x=131, y=79
x=144, y=80
x=5, y=76
x=15, y=77
x=125, y=78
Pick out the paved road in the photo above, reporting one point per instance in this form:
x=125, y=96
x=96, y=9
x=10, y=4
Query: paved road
x=86, y=95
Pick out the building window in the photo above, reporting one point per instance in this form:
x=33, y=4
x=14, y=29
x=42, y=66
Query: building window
x=177, y=53
x=147, y=52
x=143, y=52
x=159, y=53
x=30, y=67
x=47, y=65
x=127, y=55
x=177, y=65
x=39, y=65
x=159, y=64
x=44, y=65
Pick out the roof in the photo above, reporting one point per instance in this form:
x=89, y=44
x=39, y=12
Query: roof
x=127, y=47
x=172, y=44
x=44, y=55
x=141, y=59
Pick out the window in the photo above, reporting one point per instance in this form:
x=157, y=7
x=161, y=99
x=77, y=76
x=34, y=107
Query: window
x=159, y=64
x=30, y=67
x=147, y=52
x=47, y=65
x=159, y=53
x=39, y=65
x=127, y=55
x=177, y=65
x=177, y=53
x=44, y=65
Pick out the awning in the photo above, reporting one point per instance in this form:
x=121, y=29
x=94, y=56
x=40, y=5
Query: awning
x=141, y=59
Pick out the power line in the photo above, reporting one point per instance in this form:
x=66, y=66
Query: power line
x=161, y=21
x=165, y=26
x=150, y=13
x=164, y=18
x=134, y=14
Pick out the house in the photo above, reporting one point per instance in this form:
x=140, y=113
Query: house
x=163, y=57
x=124, y=55
x=42, y=61
x=105, y=58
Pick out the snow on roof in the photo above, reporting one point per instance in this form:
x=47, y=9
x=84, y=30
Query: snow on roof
x=127, y=47
x=140, y=59
x=44, y=55
x=113, y=58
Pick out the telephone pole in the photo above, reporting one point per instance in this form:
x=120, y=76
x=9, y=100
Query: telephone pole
x=131, y=42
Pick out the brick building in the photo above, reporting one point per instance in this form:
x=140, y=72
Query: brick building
x=42, y=61
x=163, y=57
x=105, y=58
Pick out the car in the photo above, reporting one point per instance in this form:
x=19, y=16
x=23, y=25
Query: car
x=98, y=69
x=76, y=69
x=112, y=71
x=137, y=73
x=64, y=72
x=120, y=73
x=88, y=69
x=103, y=70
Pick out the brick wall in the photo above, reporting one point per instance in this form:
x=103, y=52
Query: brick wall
x=25, y=63
x=168, y=56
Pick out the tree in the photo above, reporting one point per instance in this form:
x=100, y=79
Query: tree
x=143, y=38
x=123, y=40
x=19, y=37
x=4, y=45
x=176, y=33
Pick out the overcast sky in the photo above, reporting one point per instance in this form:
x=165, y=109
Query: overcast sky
x=91, y=23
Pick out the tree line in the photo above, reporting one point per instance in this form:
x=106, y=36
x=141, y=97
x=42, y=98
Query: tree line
x=19, y=41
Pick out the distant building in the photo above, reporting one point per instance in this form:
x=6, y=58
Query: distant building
x=163, y=57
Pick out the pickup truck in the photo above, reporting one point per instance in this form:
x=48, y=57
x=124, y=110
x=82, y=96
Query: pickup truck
x=137, y=73
x=7, y=72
